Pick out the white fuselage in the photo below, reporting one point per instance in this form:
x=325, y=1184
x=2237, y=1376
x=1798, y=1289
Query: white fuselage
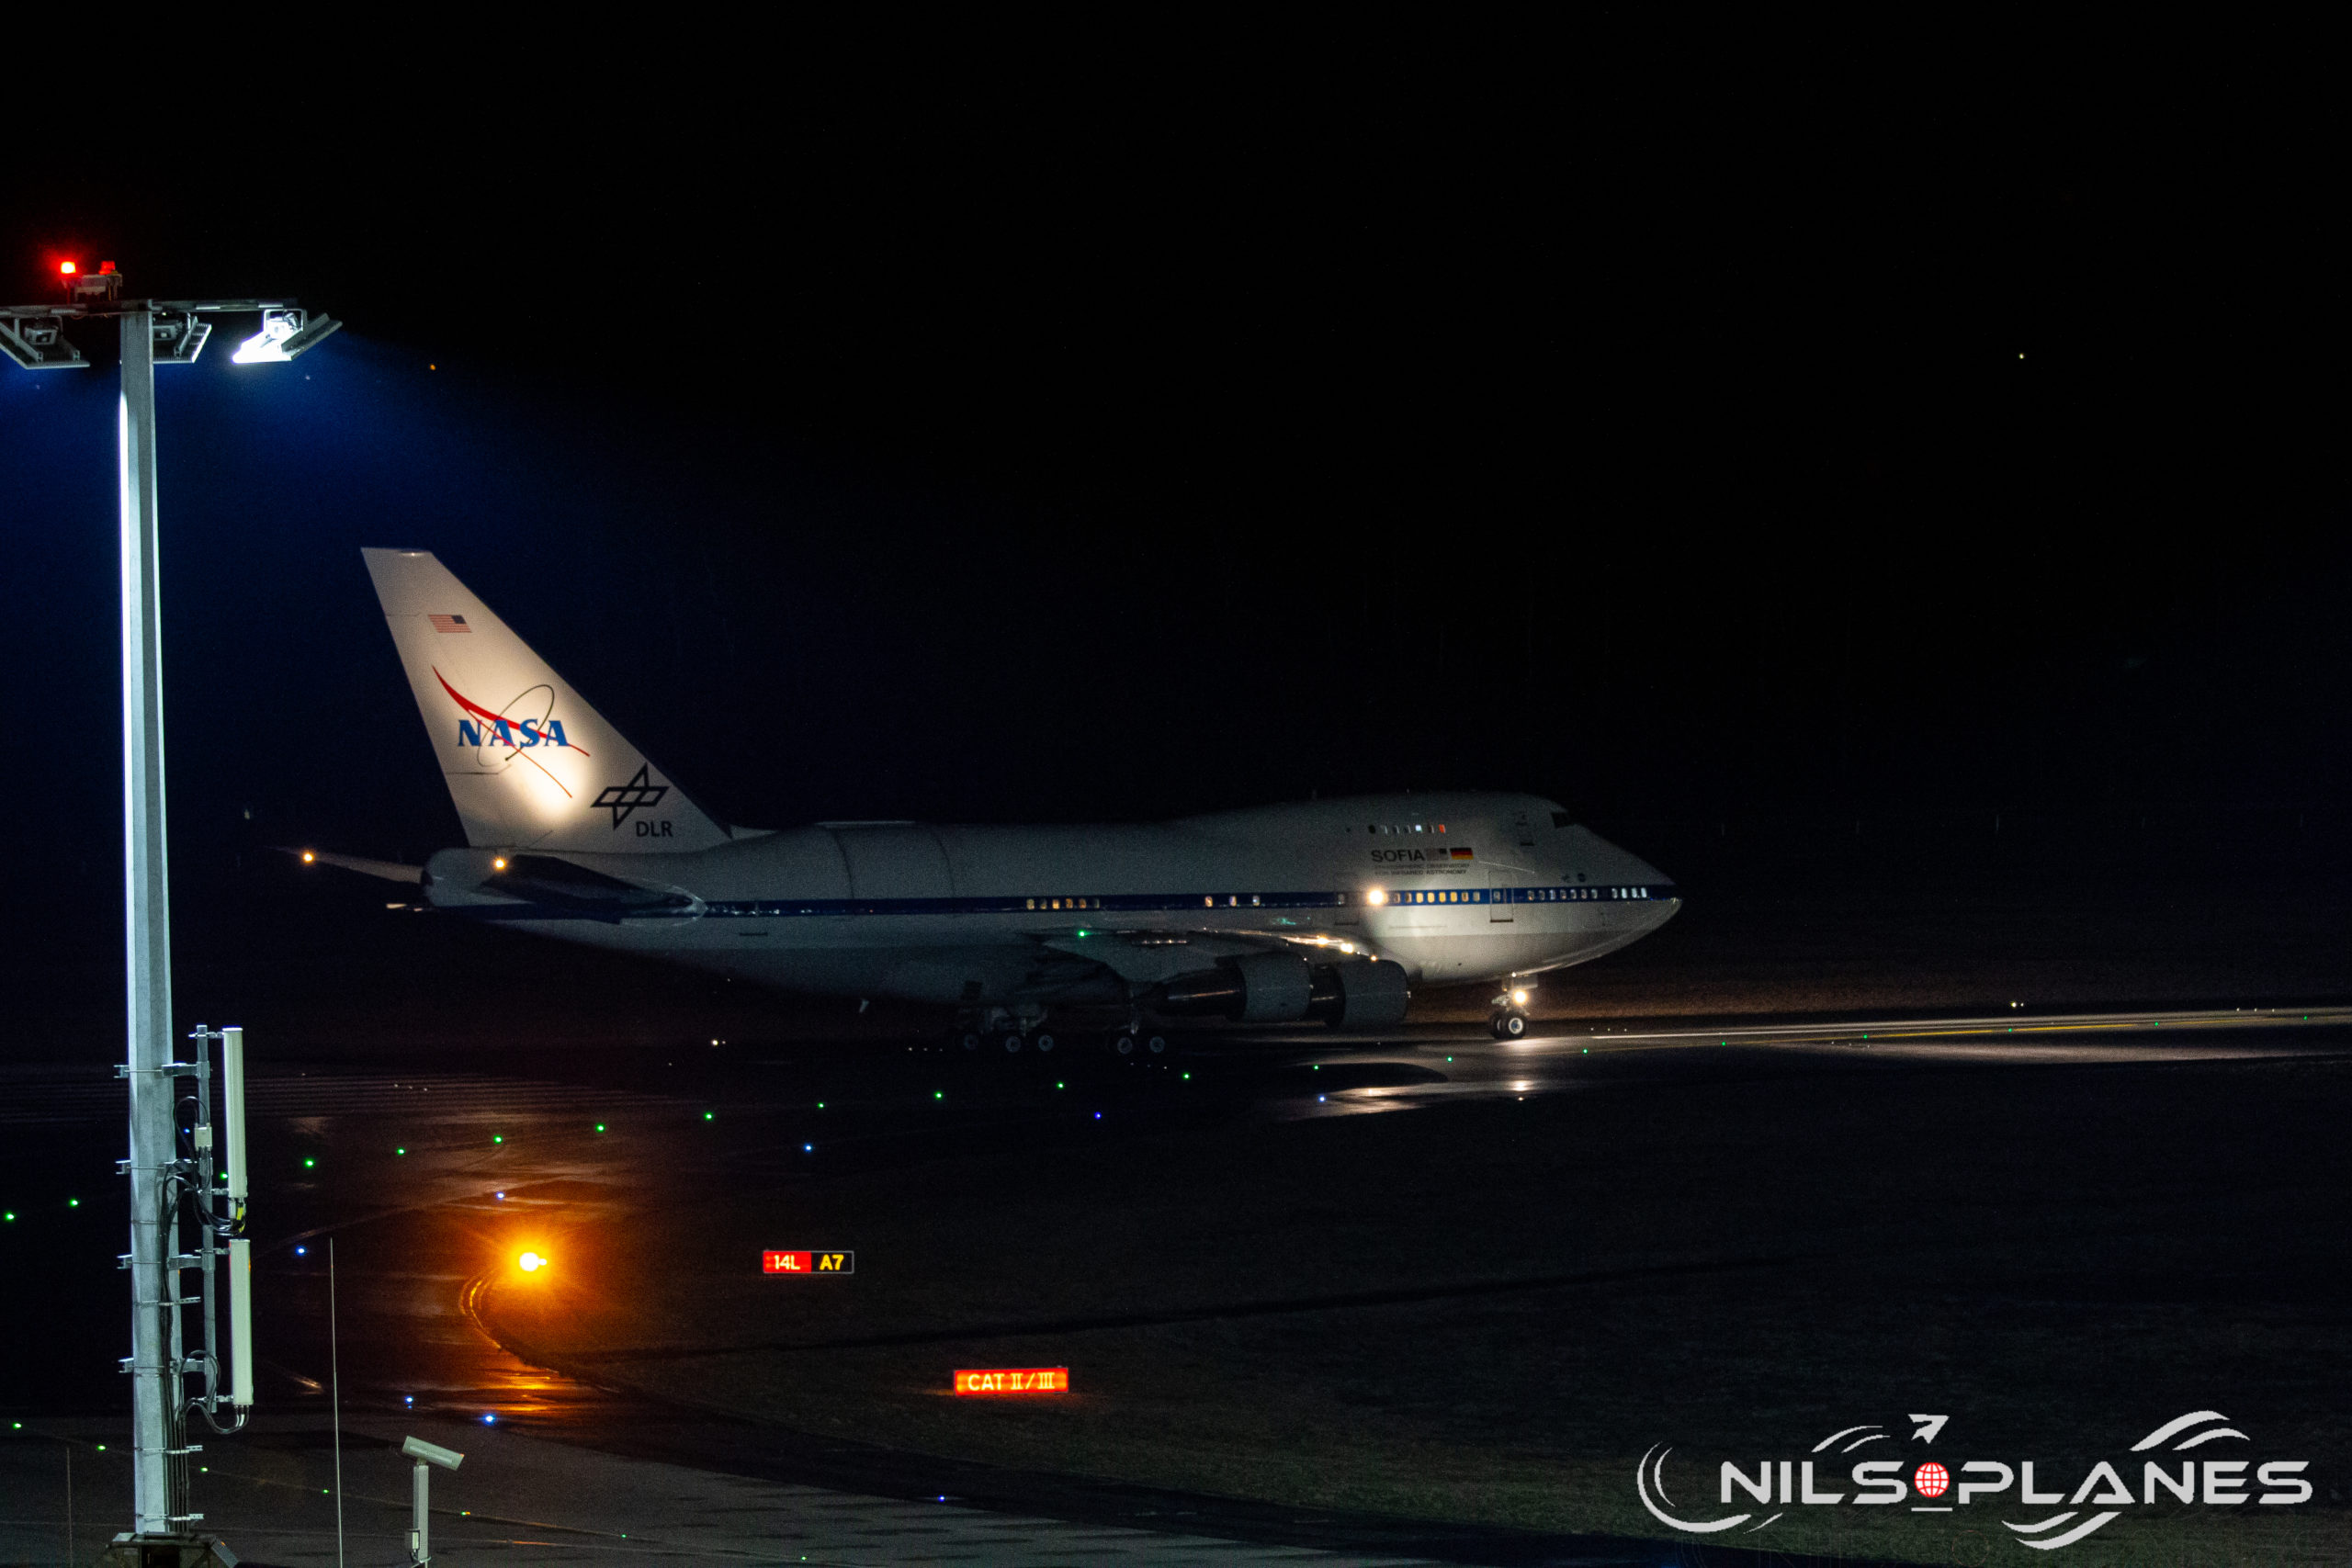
x=1454, y=887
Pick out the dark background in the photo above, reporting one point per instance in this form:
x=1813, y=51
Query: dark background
x=1893, y=471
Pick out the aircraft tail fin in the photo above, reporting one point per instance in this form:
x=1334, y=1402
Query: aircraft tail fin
x=529, y=762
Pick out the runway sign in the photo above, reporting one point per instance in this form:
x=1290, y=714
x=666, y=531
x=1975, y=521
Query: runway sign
x=808, y=1262
x=1012, y=1380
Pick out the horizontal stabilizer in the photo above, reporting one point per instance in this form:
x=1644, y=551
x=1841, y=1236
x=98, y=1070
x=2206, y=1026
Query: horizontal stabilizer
x=390, y=870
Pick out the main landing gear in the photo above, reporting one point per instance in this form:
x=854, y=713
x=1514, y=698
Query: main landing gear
x=1013, y=1040
x=1506, y=1017
x=999, y=1030
x=997, y=1026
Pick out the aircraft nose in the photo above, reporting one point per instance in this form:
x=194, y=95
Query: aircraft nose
x=1628, y=878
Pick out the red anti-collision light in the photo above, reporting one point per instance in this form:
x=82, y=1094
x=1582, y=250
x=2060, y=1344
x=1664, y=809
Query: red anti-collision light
x=68, y=268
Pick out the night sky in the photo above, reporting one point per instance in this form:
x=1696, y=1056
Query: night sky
x=1040, y=452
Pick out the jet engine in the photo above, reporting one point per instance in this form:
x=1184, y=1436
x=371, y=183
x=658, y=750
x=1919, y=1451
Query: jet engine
x=1283, y=988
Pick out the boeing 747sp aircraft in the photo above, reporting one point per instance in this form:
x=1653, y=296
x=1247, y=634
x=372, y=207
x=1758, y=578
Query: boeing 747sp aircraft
x=1326, y=910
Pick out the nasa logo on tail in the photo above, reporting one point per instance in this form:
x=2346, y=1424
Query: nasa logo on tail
x=514, y=730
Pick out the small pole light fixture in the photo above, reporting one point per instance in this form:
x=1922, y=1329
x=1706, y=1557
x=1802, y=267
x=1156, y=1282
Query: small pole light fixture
x=426, y=1455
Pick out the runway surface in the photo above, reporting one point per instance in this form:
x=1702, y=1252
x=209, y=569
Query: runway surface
x=426, y=1178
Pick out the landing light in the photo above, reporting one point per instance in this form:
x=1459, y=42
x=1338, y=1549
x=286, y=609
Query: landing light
x=531, y=1263
x=499, y=863
x=1518, y=998
x=1375, y=897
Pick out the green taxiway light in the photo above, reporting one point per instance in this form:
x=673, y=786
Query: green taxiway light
x=600, y=1126
x=498, y=1137
x=937, y=1095
x=399, y=1151
x=310, y=1165
x=72, y=1202
x=710, y=1116
x=820, y=1105
x=1066, y=1086
x=9, y=1217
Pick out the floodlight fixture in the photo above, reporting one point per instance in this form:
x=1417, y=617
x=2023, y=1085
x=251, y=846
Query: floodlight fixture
x=284, y=334
x=37, y=343
x=179, y=336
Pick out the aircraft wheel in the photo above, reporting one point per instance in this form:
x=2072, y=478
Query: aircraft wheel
x=1045, y=1042
x=1124, y=1044
x=1157, y=1044
x=971, y=1041
x=1508, y=1025
x=1012, y=1043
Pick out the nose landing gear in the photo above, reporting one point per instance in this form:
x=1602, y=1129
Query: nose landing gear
x=1506, y=1018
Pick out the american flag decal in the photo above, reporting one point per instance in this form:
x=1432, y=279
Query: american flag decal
x=449, y=622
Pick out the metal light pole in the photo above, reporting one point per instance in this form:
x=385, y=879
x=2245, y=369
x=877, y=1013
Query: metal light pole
x=161, y=1176
x=148, y=928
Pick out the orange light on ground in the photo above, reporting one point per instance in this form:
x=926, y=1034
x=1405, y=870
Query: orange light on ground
x=307, y=856
x=1012, y=1380
x=532, y=1262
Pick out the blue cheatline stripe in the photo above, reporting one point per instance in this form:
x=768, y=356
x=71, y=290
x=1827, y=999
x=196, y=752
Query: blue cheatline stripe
x=1206, y=904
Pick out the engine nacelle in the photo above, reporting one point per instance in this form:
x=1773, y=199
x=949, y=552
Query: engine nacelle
x=1258, y=987
x=1281, y=988
x=1369, y=994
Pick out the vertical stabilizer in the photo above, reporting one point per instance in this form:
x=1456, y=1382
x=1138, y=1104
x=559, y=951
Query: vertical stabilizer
x=529, y=764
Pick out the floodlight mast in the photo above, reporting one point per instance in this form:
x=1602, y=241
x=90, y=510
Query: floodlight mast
x=161, y=1177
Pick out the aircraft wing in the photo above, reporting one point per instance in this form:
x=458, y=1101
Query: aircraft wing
x=1149, y=957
